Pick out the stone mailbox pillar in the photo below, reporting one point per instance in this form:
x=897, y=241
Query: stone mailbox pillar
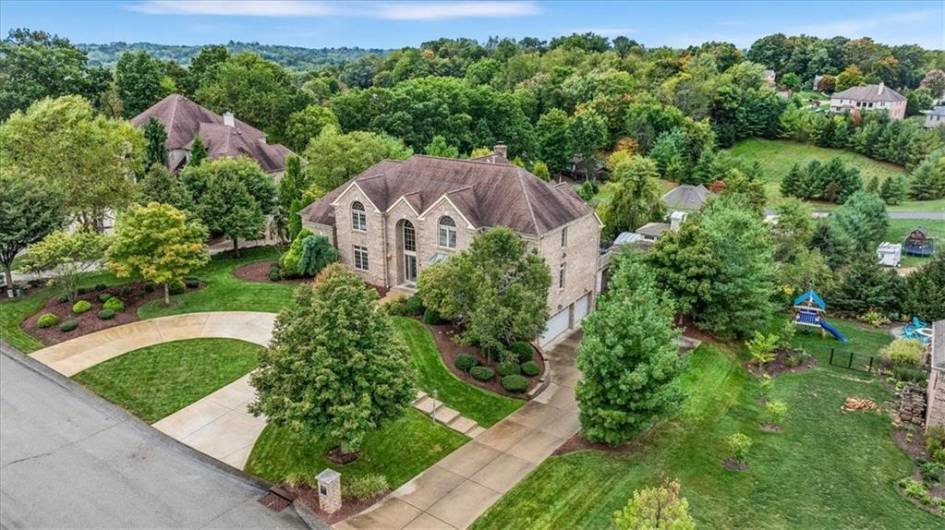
x=329, y=490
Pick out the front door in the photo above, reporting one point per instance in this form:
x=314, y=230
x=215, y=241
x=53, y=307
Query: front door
x=410, y=252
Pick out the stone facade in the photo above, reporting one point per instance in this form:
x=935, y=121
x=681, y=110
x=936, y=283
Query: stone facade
x=935, y=414
x=912, y=405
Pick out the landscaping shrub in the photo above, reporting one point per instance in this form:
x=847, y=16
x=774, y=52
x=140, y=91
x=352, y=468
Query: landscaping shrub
x=761, y=348
x=100, y=286
x=125, y=290
x=413, y=306
x=796, y=358
x=317, y=253
x=149, y=287
x=191, y=283
x=81, y=307
x=482, y=373
x=915, y=490
x=104, y=297
x=275, y=272
x=63, y=298
x=774, y=412
x=68, y=325
x=290, y=260
x=904, y=352
x=910, y=374
x=514, y=383
x=432, y=318
x=465, y=362
x=935, y=443
x=81, y=290
x=47, y=321
x=874, y=318
x=106, y=314
x=522, y=350
x=738, y=446
x=115, y=304
x=505, y=368
x=764, y=387
x=531, y=368
x=176, y=287
x=931, y=471
x=365, y=486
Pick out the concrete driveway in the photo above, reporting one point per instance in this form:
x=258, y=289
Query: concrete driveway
x=69, y=459
x=455, y=491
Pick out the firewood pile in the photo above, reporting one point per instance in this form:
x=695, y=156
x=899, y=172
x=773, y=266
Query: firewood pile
x=853, y=403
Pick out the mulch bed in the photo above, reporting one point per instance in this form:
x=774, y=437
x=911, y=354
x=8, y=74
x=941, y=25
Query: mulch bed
x=446, y=341
x=309, y=496
x=780, y=364
x=134, y=295
x=259, y=272
x=579, y=443
x=915, y=448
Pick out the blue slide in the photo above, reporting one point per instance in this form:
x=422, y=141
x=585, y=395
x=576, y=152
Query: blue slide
x=833, y=331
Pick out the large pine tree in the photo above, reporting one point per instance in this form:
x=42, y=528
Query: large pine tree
x=628, y=357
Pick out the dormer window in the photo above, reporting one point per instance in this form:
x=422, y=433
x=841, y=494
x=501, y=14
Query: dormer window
x=358, y=217
x=447, y=238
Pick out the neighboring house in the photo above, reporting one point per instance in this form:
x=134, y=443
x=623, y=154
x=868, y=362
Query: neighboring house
x=686, y=197
x=770, y=78
x=870, y=97
x=816, y=83
x=398, y=217
x=934, y=117
x=223, y=136
x=935, y=411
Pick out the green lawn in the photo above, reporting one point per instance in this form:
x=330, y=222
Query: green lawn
x=159, y=380
x=225, y=292
x=399, y=451
x=828, y=469
x=899, y=228
x=484, y=407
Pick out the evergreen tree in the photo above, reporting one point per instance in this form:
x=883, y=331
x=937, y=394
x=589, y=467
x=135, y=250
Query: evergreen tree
x=924, y=291
x=154, y=139
x=894, y=190
x=928, y=179
x=834, y=243
x=873, y=186
x=791, y=183
x=863, y=217
x=198, y=152
x=317, y=253
x=628, y=357
x=335, y=368
x=866, y=285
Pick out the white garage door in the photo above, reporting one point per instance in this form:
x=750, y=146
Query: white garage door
x=555, y=326
x=581, y=307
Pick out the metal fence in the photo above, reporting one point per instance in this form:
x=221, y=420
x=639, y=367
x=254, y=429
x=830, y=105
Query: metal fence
x=853, y=361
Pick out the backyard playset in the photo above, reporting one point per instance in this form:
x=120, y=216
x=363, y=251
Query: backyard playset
x=919, y=243
x=809, y=311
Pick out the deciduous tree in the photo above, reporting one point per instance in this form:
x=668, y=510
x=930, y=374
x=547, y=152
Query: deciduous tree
x=658, y=508
x=140, y=82
x=29, y=209
x=334, y=368
x=334, y=158
x=68, y=255
x=634, y=196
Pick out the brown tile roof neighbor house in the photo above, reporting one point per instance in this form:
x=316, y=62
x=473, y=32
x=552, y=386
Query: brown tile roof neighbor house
x=488, y=192
x=223, y=136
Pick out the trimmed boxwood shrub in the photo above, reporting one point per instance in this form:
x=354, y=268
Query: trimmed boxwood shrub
x=124, y=290
x=100, y=286
x=115, y=304
x=508, y=368
x=176, y=287
x=104, y=297
x=47, y=321
x=68, y=325
x=191, y=283
x=522, y=350
x=63, y=298
x=82, y=290
x=275, y=272
x=106, y=314
x=465, y=362
x=81, y=307
x=149, y=287
x=432, y=318
x=514, y=383
x=414, y=306
x=482, y=373
x=531, y=368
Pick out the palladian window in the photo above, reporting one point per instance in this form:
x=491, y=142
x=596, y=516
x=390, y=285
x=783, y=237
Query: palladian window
x=358, y=217
x=447, y=232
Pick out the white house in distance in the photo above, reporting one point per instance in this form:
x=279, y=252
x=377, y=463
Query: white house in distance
x=870, y=97
x=934, y=117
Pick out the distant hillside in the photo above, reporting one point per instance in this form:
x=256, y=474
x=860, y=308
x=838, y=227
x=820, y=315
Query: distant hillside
x=292, y=57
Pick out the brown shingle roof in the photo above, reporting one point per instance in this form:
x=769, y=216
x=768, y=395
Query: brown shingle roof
x=184, y=120
x=485, y=192
x=870, y=93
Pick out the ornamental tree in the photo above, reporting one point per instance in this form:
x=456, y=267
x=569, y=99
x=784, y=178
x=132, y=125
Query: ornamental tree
x=497, y=289
x=29, y=210
x=157, y=243
x=628, y=357
x=635, y=197
x=155, y=138
x=68, y=255
x=335, y=368
x=657, y=508
x=160, y=185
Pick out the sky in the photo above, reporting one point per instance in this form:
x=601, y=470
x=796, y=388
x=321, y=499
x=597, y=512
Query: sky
x=388, y=24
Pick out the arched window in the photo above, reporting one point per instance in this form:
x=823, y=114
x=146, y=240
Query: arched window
x=358, y=217
x=447, y=232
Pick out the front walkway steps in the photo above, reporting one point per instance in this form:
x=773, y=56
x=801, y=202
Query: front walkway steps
x=446, y=415
x=455, y=491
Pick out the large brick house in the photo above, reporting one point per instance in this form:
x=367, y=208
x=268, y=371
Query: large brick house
x=223, y=135
x=398, y=217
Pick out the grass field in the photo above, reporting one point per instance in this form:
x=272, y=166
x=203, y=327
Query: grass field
x=225, y=292
x=827, y=469
x=484, y=407
x=159, y=380
x=398, y=451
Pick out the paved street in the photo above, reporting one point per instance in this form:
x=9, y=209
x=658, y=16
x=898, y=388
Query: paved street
x=69, y=459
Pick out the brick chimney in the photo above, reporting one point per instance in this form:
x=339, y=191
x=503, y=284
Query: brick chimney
x=501, y=150
x=228, y=119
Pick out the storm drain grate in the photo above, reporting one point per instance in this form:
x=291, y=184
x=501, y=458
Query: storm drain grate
x=274, y=501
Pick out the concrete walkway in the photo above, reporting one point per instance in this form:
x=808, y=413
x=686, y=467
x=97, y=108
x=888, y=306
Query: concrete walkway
x=455, y=491
x=71, y=357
